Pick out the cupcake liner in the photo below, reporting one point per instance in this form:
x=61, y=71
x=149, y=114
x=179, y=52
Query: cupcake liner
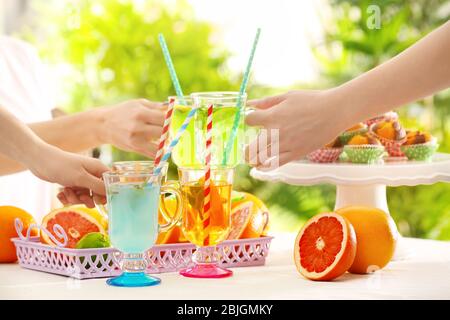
x=346, y=136
x=393, y=147
x=392, y=115
x=421, y=151
x=365, y=153
x=325, y=155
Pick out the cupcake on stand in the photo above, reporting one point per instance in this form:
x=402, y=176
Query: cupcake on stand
x=364, y=149
x=419, y=146
x=392, y=135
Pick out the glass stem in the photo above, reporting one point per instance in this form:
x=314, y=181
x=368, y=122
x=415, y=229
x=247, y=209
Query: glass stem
x=205, y=255
x=134, y=262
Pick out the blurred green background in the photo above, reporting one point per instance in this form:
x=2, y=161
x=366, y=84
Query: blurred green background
x=111, y=53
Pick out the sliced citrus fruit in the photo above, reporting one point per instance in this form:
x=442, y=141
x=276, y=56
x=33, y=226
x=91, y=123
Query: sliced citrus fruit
x=94, y=213
x=240, y=215
x=75, y=222
x=376, y=236
x=174, y=235
x=258, y=224
x=325, y=247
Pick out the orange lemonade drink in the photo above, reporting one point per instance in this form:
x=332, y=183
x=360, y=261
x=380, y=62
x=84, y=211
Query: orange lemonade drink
x=210, y=228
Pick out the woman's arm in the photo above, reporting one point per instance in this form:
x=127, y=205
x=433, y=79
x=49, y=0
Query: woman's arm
x=131, y=126
x=419, y=71
x=308, y=120
x=18, y=142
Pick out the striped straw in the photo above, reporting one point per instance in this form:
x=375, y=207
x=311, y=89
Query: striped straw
x=171, y=67
x=175, y=140
x=242, y=89
x=165, y=132
x=207, y=185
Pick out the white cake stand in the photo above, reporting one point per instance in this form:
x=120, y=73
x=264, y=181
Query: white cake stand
x=363, y=184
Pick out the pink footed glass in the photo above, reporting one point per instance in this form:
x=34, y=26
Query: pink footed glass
x=208, y=228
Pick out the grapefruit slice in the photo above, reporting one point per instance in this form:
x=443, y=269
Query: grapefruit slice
x=325, y=247
x=76, y=223
x=240, y=216
x=258, y=224
x=94, y=213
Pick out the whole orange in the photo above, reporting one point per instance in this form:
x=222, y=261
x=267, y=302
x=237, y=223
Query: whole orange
x=376, y=237
x=7, y=230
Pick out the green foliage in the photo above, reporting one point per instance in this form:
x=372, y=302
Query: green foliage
x=113, y=53
x=110, y=52
x=352, y=48
x=351, y=43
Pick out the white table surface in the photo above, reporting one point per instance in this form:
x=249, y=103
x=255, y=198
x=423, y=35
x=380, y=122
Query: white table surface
x=424, y=275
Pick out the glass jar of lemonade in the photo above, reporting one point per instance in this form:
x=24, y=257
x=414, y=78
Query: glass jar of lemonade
x=190, y=150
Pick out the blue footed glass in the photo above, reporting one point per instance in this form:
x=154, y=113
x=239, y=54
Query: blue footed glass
x=132, y=206
x=130, y=279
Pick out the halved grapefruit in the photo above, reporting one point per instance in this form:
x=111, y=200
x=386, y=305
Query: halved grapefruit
x=258, y=224
x=76, y=223
x=325, y=247
x=240, y=216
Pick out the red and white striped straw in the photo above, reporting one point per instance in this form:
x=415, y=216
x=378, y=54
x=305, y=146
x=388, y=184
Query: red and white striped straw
x=165, y=132
x=207, y=186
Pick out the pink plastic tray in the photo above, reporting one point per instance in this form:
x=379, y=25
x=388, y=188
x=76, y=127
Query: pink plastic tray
x=104, y=262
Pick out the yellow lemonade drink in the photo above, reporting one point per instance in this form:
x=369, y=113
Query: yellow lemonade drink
x=190, y=150
x=206, y=228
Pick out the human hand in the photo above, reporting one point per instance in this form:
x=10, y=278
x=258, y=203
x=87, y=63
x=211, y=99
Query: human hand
x=75, y=172
x=306, y=120
x=73, y=195
x=133, y=125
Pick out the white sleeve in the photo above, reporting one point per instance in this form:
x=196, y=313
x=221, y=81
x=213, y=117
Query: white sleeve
x=25, y=86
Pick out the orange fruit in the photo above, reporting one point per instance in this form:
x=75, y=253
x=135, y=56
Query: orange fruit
x=240, y=216
x=376, y=236
x=93, y=212
x=325, y=247
x=174, y=235
x=258, y=224
x=75, y=221
x=8, y=215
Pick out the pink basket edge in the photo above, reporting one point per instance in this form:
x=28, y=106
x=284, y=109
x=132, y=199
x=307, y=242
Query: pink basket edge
x=34, y=241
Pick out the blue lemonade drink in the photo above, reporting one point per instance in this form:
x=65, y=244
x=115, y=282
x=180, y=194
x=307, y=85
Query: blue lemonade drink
x=133, y=216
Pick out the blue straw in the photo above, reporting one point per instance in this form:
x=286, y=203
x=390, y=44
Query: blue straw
x=170, y=66
x=239, y=103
